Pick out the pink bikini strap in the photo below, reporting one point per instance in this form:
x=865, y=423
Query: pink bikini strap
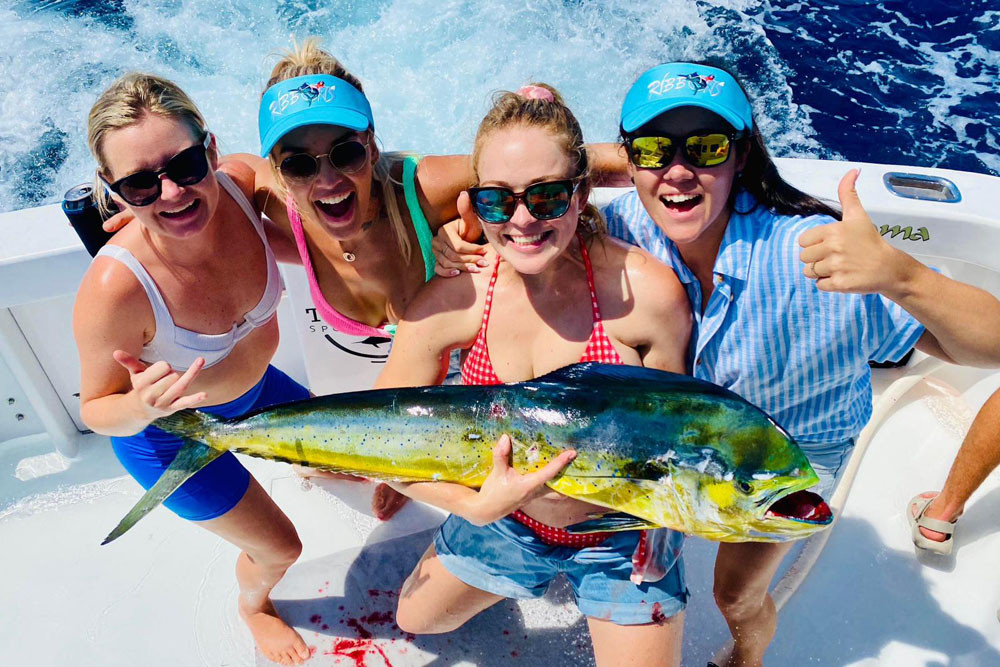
x=341, y=323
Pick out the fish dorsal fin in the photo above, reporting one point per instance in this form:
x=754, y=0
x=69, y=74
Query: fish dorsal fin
x=608, y=376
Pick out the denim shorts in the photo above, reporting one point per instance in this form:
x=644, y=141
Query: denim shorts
x=828, y=462
x=219, y=486
x=507, y=558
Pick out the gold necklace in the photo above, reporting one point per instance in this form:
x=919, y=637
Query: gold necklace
x=350, y=256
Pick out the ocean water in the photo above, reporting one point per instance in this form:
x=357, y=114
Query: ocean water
x=913, y=83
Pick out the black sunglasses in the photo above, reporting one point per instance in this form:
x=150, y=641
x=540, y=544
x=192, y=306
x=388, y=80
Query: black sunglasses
x=705, y=149
x=347, y=157
x=544, y=201
x=143, y=188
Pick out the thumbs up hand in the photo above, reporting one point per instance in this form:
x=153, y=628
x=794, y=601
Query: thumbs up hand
x=850, y=255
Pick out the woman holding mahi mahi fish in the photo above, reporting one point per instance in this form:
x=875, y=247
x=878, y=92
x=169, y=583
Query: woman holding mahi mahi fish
x=789, y=304
x=362, y=221
x=560, y=292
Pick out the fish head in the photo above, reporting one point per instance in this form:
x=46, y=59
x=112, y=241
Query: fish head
x=749, y=485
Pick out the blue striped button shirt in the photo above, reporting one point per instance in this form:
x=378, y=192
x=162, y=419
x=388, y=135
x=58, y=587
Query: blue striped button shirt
x=768, y=334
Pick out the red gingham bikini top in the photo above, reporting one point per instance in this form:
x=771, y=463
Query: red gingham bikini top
x=478, y=369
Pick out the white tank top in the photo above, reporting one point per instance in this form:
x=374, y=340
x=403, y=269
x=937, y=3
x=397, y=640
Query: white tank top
x=179, y=347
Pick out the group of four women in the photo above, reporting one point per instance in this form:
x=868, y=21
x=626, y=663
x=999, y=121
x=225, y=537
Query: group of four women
x=701, y=273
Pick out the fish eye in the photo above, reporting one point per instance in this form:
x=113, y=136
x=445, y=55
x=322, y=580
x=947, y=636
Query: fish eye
x=744, y=486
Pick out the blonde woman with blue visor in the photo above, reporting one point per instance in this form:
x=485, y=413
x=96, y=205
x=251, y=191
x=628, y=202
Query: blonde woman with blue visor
x=361, y=221
x=791, y=299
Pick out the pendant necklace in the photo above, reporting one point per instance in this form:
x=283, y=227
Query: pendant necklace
x=350, y=256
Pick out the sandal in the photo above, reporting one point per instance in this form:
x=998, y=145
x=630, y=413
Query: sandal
x=920, y=503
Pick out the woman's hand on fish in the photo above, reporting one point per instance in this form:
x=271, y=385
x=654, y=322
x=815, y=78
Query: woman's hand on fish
x=158, y=390
x=851, y=255
x=453, y=252
x=505, y=489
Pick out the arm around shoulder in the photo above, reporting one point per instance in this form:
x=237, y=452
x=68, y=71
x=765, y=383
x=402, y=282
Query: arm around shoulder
x=439, y=180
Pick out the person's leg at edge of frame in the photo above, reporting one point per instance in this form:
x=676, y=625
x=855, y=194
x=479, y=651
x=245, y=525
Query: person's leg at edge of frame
x=978, y=456
x=269, y=545
x=434, y=601
x=743, y=573
x=656, y=644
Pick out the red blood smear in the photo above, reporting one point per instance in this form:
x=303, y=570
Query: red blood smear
x=362, y=632
x=506, y=632
x=315, y=618
x=513, y=654
x=325, y=627
x=379, y=618
x=658, y=616
x=356, y=650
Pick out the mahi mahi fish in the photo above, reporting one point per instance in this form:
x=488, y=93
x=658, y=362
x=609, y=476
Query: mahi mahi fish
x=657, y=449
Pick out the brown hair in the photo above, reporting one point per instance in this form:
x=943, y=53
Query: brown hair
x=310, y=58
x=512, y=110
x=125, y=102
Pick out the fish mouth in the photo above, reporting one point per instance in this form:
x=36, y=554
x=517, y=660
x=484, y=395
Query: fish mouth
x=801, y=506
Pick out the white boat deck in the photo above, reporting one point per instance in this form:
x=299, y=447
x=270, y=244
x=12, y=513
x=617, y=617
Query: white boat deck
x=165, y=593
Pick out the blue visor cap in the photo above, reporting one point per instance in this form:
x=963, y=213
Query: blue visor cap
x=314, y=99
x=674, y=85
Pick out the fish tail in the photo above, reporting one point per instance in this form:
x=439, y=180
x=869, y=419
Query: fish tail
x=189, y=425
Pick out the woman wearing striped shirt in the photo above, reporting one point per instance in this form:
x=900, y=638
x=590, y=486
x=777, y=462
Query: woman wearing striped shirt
x=790, y=303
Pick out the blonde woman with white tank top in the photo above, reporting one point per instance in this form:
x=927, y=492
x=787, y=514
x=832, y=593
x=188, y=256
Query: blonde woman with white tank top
x=177, y=312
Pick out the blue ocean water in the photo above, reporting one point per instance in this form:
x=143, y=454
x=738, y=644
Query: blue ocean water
x=913, y=83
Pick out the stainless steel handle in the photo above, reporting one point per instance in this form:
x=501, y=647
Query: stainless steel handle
x=920, y=186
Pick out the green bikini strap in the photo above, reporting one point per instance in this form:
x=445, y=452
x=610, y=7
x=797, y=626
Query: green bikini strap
x=420, y=224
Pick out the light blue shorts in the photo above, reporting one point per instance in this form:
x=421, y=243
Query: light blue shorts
x=828, y=462
x=507, y=558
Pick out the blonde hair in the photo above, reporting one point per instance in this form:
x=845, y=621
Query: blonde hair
x=310, y=58
x=125, y=102
x=514, y=110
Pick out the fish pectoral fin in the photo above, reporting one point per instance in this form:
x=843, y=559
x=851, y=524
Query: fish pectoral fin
x=611, y=523
x=191, y=458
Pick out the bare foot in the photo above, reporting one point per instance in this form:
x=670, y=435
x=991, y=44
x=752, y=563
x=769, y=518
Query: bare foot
x=387, y=501
x=277, y=640
x=934, y=512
